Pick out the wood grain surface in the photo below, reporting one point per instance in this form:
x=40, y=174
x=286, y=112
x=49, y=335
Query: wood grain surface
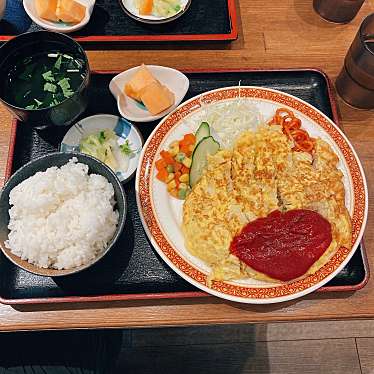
x=272, y=34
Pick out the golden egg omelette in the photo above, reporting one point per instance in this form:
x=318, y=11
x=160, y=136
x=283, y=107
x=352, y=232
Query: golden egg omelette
x=259, y=175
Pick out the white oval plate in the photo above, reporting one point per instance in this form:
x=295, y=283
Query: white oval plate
x=132, y=110
x=59, y=26
x=123, y=129
x=131, y=10
x=162, y=215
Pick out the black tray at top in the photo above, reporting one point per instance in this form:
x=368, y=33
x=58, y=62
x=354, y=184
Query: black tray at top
x=133, y=267
x=109, y=23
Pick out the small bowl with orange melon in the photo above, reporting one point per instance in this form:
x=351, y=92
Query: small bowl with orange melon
x=155, y=11
x=148, y=92
x=60, y=15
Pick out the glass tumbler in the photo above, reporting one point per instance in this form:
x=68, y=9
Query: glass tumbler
x=355, y=83
x=338, y=11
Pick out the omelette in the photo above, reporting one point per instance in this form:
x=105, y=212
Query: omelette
x=259, y=175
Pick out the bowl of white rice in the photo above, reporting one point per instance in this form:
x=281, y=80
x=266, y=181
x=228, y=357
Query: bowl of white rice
x=61, y=213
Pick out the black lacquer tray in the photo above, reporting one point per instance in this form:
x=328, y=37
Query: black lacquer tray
x=133, y=270
x=203, y=21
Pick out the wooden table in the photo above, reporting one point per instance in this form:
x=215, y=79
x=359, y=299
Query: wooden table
x=286, y=35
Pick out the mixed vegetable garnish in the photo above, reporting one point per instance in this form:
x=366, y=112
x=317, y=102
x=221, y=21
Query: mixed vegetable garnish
x=174, y=166
x=182, y=165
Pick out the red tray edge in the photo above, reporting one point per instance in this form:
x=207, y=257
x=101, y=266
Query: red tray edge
x=187, y=294
x=232, y=35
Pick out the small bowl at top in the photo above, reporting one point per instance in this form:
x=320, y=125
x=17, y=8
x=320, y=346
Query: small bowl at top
x=129, y=7
x=41, y=164
x=63, y=27
x=34, y=65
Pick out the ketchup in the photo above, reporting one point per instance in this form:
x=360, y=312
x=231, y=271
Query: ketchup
x=283, y=245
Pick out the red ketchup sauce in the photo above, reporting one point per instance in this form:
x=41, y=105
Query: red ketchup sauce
x=283, y=245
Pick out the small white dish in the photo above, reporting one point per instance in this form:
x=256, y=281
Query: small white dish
x=131, y=109
x=66, y=28
x=93, y=124
x=131, y=10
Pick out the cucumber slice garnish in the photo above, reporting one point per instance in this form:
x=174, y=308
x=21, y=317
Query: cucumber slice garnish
x=206, y=146
x=202, y=132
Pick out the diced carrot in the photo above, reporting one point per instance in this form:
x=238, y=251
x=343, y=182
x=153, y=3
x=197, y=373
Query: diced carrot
x=185, y=170
x=177, y=175
x=167, y=157
x=161, y=164
x=177, y=166
x=162, y=175
x=189, y=138
x=185, y=148
x=146, y=7
x=177, y=182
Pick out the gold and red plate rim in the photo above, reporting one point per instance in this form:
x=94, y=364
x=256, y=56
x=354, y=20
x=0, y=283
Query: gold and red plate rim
x=229, y=290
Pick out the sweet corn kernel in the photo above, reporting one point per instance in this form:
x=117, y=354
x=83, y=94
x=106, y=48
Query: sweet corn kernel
x=170, y=177
x=184, y=178
x=174, y=150
x=187, y=162
x=172, y=185
x=174, y=144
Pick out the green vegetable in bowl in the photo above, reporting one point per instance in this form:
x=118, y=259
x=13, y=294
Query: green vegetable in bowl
x=104, y=145
x=44, y=80
x=166, y=8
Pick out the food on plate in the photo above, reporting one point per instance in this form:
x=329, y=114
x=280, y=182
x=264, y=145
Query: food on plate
x=173, y=168
x=228, y=119
x=141, y=79
x=207, y=146
x=44, y=80
x=265, y=179
x=69, y=11
x=109, y=148
x=46, y=9
x=183, y=164
x=283, y=245
x=159, y=8
x=145, y=88
x=61, y=218
x=157, y=98
x=291, y=126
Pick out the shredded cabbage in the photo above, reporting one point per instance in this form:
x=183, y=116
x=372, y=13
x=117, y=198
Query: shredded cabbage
x=229, y=119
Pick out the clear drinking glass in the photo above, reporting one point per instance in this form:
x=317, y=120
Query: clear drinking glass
x=355, y=83
x=339, y=11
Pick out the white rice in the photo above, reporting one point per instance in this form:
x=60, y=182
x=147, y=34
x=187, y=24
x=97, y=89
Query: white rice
x=61, y=218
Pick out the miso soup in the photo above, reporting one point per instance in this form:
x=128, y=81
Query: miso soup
x=44, y=80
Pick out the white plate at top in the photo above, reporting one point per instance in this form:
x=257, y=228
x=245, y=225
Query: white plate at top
x=30, y=9
x=131, y=10
x=93, y=124
x=131, y=109
x=162, y=215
